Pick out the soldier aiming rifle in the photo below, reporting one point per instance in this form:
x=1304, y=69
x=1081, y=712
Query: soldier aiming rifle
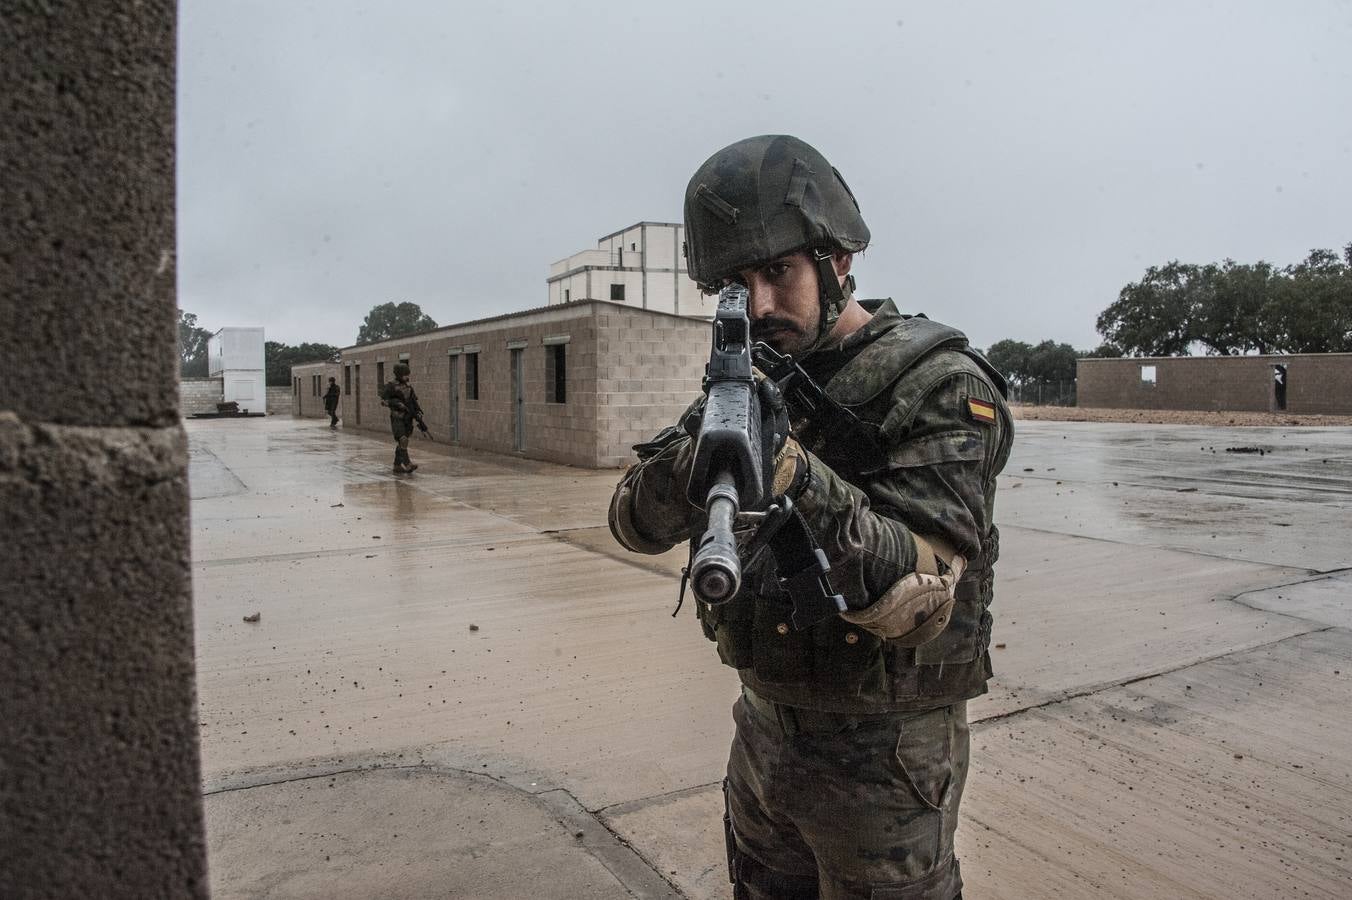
x=854, y=604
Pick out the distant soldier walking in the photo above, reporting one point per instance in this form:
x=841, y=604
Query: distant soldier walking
x=402, y=400
x=331, y=402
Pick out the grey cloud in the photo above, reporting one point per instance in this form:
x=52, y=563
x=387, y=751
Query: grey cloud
x=1017, y=163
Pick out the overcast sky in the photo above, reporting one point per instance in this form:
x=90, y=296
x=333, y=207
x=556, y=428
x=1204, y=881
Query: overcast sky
x=1017, y=163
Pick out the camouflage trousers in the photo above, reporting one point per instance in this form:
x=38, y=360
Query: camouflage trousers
x=834, y=807
x=402, y=431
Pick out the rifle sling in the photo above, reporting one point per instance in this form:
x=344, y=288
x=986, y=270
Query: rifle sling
x=803, y=573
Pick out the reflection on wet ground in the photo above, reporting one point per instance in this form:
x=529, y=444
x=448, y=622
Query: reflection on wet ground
x=1161, y=486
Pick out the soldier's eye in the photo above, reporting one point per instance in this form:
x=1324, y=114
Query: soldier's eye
x=777, y=269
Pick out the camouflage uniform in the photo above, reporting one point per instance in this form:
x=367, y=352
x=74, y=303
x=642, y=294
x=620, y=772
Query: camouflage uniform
x=331, y=403
x=851, y=750
x=402, y=400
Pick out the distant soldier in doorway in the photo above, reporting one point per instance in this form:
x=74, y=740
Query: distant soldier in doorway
x=402, y=400
x=331, y=402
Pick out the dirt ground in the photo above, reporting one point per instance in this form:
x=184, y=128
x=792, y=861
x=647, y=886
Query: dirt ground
x=1171, y=416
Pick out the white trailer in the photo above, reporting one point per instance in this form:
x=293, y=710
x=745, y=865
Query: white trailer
x=235, y=355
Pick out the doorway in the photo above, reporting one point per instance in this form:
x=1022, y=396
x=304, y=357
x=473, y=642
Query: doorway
x=455, y=398
x=356, y=376
x=518, y=400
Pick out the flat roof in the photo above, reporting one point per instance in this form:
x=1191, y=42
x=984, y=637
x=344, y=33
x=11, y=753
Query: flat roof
x=571, y=306
x=640, y=225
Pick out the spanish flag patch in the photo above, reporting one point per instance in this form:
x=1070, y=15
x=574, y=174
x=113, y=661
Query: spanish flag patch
x=981, y=411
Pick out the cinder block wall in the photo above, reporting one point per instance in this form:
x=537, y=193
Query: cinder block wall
x=304, y=398
x=649, y=370
x=1316, y=383
x=278, y=399
x=1319, y=383
x=99, y=769
x=198, y=395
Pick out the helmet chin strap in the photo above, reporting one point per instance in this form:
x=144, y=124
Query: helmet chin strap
x=833, y=299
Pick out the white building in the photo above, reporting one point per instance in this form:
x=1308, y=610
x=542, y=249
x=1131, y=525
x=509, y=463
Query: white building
x=235, y=355
x=642, y=265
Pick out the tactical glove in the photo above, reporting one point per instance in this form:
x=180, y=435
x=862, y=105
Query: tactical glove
x=649, y=512
x=786, y=462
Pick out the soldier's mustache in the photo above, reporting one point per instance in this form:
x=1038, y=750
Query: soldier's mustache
x=762, y=328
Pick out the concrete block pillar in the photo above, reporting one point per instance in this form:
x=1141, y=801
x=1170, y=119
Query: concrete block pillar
x=99, y=772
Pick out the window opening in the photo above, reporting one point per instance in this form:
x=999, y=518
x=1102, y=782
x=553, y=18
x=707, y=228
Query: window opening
x=556, y=373
x=471, y=376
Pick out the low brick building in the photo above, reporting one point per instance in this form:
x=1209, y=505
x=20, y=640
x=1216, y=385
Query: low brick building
x=1308, y=383
x=309, y=381
x=576, y=383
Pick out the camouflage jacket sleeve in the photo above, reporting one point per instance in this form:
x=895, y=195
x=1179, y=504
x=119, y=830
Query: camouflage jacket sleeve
x=649, y=512
x=940, y=465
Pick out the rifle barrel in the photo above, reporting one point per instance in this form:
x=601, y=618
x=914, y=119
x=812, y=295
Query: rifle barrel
x=716, y=572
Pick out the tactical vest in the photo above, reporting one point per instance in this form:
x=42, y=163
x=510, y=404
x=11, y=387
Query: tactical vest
x=401, y=399
x=835, y=665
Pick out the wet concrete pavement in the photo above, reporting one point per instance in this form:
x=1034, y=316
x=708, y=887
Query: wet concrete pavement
x=1160, y=724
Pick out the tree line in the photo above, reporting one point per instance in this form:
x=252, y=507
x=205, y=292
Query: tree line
x=385, y=320
x=1220, y=309
x=1048, y=362
x=1231, y=308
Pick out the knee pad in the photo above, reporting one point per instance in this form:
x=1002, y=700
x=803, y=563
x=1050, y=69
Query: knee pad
x=753, y=880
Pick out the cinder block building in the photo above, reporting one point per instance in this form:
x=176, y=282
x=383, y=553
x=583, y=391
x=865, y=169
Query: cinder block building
x=642, y=265
x=1309, y=383
x=309, y=381
x=576, y=383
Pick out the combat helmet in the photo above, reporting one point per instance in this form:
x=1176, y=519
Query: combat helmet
x=761, y=198
x=400, y=370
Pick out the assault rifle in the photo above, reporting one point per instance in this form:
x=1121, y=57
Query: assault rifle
x=397, y=405
x=729, y=476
